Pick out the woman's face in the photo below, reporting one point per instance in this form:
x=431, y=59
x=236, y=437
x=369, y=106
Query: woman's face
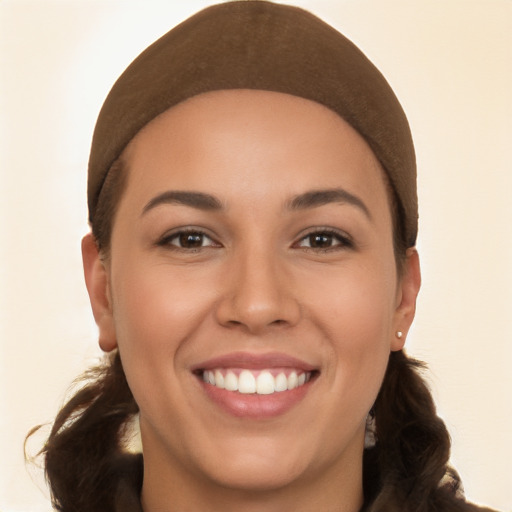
x=252, y=248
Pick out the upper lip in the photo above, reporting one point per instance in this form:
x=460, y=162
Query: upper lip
x=255, y=362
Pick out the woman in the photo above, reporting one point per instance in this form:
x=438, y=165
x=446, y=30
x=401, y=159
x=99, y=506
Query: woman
x=253, y=275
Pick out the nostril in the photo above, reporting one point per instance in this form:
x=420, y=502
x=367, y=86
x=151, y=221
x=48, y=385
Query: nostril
x=254, y=308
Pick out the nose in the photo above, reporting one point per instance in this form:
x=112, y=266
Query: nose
x=258, y=294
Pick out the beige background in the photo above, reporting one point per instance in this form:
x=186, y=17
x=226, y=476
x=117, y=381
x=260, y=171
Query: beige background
x=449, y=62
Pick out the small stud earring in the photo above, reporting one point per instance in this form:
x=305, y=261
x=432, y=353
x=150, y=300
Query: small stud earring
x=399, y=334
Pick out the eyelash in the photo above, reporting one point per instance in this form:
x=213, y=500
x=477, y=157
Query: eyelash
x=166, y=240
x=343, y=240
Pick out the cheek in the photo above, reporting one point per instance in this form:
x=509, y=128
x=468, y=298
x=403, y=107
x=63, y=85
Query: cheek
x=355, y=304
x=356, y=314
x=156, y=309
x=156, y=313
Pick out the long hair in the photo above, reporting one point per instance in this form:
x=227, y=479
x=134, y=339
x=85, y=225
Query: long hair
x=87, y=437
x=404, y=471
x=405, y=468
x=413, y=444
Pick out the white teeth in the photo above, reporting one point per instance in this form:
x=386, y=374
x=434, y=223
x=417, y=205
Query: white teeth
x=293, y=381
x=246, y=382
x=265, y=383
x=231, y=382
x=281, y=382
x=219, y=379
x=262, y=384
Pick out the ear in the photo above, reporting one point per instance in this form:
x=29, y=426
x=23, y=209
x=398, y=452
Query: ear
x=98, y=286
x=408, y=289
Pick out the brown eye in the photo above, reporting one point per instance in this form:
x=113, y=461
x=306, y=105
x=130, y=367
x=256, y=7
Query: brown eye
x=190, y=240
x=187, y=240
x=321, y=240
x=325, y=240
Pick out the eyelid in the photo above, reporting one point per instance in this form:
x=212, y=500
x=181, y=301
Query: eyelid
x=344, y=239
x=165, y=239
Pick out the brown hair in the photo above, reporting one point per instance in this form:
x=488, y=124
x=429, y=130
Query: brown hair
x=404, y=471
x=264, y=46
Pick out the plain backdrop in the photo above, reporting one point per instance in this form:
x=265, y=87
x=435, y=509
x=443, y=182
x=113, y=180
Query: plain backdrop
x=449, y=62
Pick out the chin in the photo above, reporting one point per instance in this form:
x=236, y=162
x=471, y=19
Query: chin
x=252, y=462
x=266, y=464
x=249, y=475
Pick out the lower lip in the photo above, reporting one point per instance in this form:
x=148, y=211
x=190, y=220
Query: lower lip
x=254, y=406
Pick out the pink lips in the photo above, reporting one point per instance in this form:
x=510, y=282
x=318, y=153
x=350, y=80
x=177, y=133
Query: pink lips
x=254, y=362
x=256, y=406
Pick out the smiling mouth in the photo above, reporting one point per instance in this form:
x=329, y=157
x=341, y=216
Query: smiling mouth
x=255, y=387
x=259, y=382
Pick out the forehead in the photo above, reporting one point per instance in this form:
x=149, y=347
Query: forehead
x=252, y=146
x=212, y=115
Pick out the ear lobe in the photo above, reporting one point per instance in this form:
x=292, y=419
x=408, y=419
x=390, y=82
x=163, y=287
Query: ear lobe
x=98, y=287
x=409, y=288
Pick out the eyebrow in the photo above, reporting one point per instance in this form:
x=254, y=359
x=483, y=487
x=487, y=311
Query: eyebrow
x=207, y=202
x=197, y=200
x=315, y=198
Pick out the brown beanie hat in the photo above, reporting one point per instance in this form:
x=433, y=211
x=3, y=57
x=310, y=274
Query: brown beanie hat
x=255, y=44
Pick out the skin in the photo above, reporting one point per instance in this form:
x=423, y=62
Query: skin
x=253, y=284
